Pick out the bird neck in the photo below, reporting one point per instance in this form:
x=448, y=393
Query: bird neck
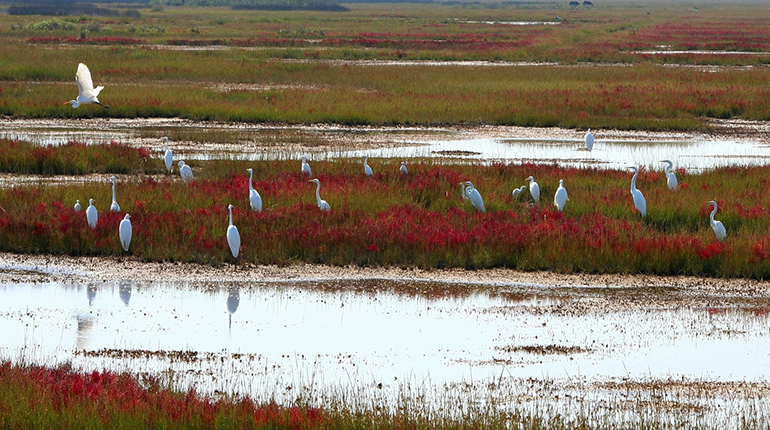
x=113, y=191
x=714, y=212
x=231, y=216
x=633, y=181
x=318, y=192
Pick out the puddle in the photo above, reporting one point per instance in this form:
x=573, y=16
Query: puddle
x=262, y=338
x=612, y=150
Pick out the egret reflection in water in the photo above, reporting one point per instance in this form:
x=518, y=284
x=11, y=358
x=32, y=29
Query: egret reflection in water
x=233, y=300
x=91, y=293
x=125, y=292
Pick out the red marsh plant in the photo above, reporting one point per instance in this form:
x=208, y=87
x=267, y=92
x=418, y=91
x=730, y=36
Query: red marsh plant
x=419, y=220
x=63, y=398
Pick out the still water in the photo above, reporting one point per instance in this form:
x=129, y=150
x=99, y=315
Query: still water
x=263, y=338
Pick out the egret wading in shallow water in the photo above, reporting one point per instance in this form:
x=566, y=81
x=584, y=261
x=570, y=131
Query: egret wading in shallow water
x=185, y=172
x=719, y=228
x=402, y=169
x=517, y=191
x=306, y=167
x=115, y=207
x=233, y=237
x=475, y=197
x=589, y=140
x=77, y=206
x=670, y=176
x=86, y=91
x=124, y=232
x=321, y=203
x=639, y=202
x=168, y=157
x=560, y=198
x=255, y=200
x=534, y=189
x=92, y=216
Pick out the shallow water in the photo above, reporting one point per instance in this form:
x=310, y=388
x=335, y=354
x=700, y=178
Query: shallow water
x=692, y=154
x=260, y=338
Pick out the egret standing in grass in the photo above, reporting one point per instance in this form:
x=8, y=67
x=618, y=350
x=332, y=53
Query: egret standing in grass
x=92, y=216
x=367, y=169
x=517, y=191
x=560, y=198
x=77, y=206
x=475, y=197
x=670, y=176
x=321, y=203
x=403, y=168
x=168, y=157
x=534, y=189
x=719, y=228
x=306, y=167
x=185, y=172
x=86, y=91
x=233, y=237
x=589, y=140
x=115, y=207
x=639, y=202
x=124, y=231
x=255, y=200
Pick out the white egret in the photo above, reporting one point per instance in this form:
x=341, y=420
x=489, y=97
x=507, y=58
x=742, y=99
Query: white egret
x=185, y=172
x=560, y=198
x=77, y=206
x=255, y=200
x=124, y=231
x=639, y=201
x=306, y=167
x=403, y=168
x=233, y=237
x=321, y=203
x=589, y=139
x=367, y=169
x=91, y=214
x=534, y=189
x=474, y=195
x=168, y=156
x=86, y=91
x=670, y=176
x=115, y=207
x=719, y=228
x=517, y=191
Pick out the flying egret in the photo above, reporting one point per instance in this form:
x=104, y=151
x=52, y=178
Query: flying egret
x=77, y=206
x=639, y=201
x=306, y=167
x=589, y=139
x=719, y=228
x=115, y=207
x=517, y=191
x=321, y=203
x=367, y=169
x=91, y=214
x=86, y=91
x=560, y=198
x=233, y=237
x=124, y=231
x=475, y=197
x=534, y=189
x=185, y=172
x=670, y=176
x=403, y=168
x=255, y=200
x=168, y=156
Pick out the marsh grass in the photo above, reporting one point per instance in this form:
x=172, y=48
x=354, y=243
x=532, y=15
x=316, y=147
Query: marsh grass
x=414, y=221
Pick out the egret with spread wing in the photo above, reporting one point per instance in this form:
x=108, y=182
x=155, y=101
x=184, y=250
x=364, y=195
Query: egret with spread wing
x=86, y=91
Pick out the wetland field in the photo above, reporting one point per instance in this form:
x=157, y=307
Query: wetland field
x=404, y=307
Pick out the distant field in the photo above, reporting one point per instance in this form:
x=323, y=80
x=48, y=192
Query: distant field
x=552, y=65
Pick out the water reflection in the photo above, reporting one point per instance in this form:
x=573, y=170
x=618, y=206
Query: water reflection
x=125, y=291
x=233, y=300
